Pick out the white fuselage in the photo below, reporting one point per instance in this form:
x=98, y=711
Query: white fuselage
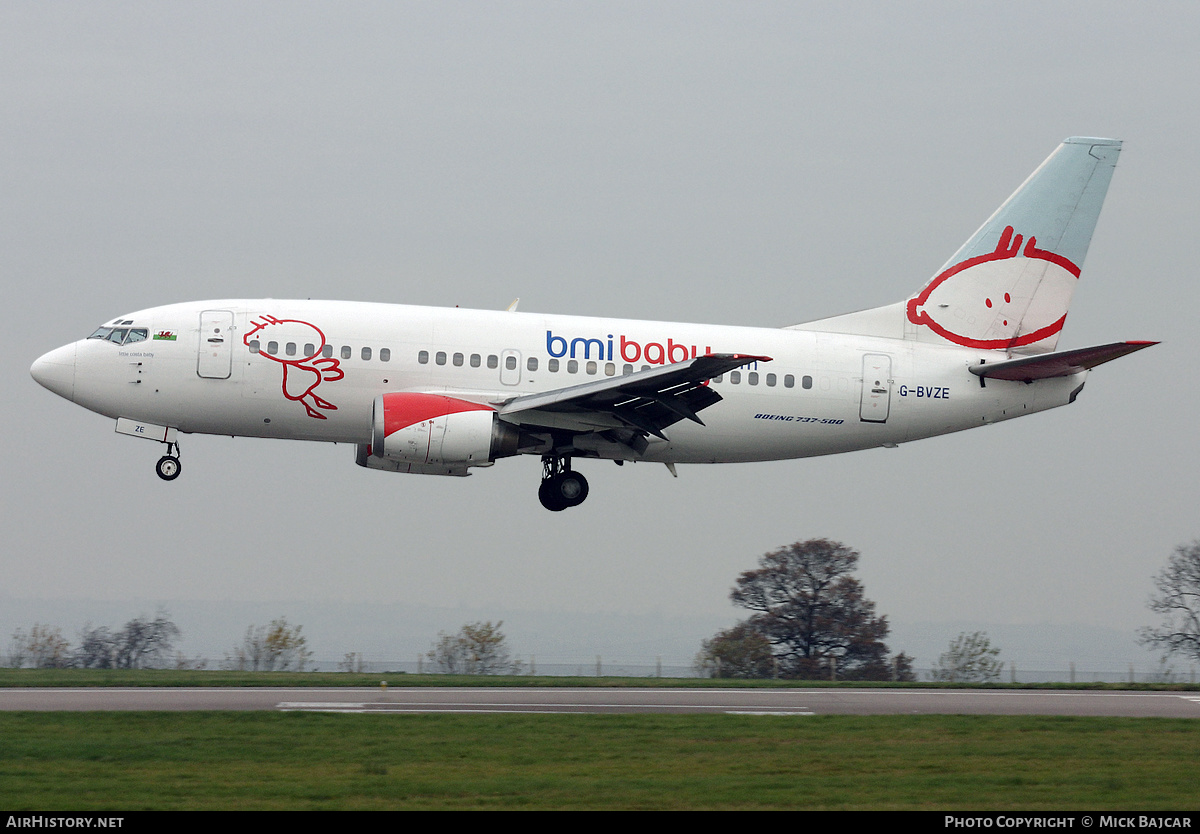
x=822, y=393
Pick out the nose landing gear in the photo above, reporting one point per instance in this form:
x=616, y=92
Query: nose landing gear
x=168, y=466
x=561, y=487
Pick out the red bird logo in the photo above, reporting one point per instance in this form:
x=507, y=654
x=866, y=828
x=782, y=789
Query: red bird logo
x=301, y=375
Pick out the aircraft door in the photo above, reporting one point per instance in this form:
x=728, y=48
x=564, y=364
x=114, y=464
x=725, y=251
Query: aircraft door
x=215, y=358
x=510, y=367
x=876, y=388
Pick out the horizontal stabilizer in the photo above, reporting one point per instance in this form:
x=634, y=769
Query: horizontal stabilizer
x=1050, y=365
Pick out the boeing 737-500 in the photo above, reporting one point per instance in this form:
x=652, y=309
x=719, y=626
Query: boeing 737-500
x=439, y=391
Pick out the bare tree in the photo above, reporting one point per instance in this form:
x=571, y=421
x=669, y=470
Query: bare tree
x=17, y=652
x=970, y=659
x=97, y=649
x=143, y=643
x=477, y=649
x=813, y=613
x=351, y=662
x=278, y=647
x=42, y=647
x=1178, y=601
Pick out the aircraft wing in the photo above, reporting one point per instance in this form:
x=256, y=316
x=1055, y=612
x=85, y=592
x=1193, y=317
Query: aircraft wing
x=1050, y=365
x=647, y=401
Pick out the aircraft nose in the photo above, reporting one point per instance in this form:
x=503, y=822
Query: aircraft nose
x=56, y=371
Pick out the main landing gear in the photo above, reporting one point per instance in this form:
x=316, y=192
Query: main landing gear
x=168, y=466
x=561, y=487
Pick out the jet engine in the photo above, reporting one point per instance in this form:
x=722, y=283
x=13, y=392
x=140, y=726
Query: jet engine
x=435, y=434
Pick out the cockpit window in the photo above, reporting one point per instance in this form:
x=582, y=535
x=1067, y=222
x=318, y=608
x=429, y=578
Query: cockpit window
x=121, y=335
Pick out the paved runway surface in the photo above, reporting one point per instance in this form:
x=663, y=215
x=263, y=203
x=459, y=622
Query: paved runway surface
x=724, y=701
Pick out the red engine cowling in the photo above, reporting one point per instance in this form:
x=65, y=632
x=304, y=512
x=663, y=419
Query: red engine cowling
x=432, y=430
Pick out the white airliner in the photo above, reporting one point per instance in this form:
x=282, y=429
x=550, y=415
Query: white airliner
x=438, y=391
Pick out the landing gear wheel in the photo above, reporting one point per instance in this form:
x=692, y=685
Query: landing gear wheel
x=573, y=488
x=548, y=499
x=168, y=467
x=566, y=489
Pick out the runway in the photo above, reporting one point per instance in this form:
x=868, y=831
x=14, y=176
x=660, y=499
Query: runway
x=794, y=702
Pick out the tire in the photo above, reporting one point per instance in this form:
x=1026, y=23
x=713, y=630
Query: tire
x=566, y=489
x=572, y=488
x=549, y=496
x=168, y=468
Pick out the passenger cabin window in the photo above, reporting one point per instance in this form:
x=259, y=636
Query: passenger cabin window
x=531, y=363
x=272, y=348
x=290, y=349
x=806, y=382
x=253, y=346
x=310, y=349
x=510, y=363
x=476, y=360
x=366, y=353
x=770, y=380
x=327, y=351
x=552, y=366
x=440, y=358
x=346, y=353
x=735, y=377
x=493, y=361
x=385, y=355
x=572, y=366
x=423, y=357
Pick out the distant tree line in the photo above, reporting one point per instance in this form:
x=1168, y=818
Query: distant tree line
x=810, y=619
x=142, y=643
x=479, y=648
x=149, y=643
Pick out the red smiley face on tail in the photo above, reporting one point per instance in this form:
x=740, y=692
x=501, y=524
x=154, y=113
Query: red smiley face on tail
x=1011, y=297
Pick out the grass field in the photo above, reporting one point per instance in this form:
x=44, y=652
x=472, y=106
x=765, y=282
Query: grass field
x=262, y=760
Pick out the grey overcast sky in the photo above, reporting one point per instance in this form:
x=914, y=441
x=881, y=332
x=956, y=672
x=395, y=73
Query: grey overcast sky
x=746, y=163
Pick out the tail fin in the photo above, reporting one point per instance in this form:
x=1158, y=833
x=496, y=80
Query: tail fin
x=1009, y=286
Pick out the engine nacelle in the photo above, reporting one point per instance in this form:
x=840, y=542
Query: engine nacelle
x=433, y=433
